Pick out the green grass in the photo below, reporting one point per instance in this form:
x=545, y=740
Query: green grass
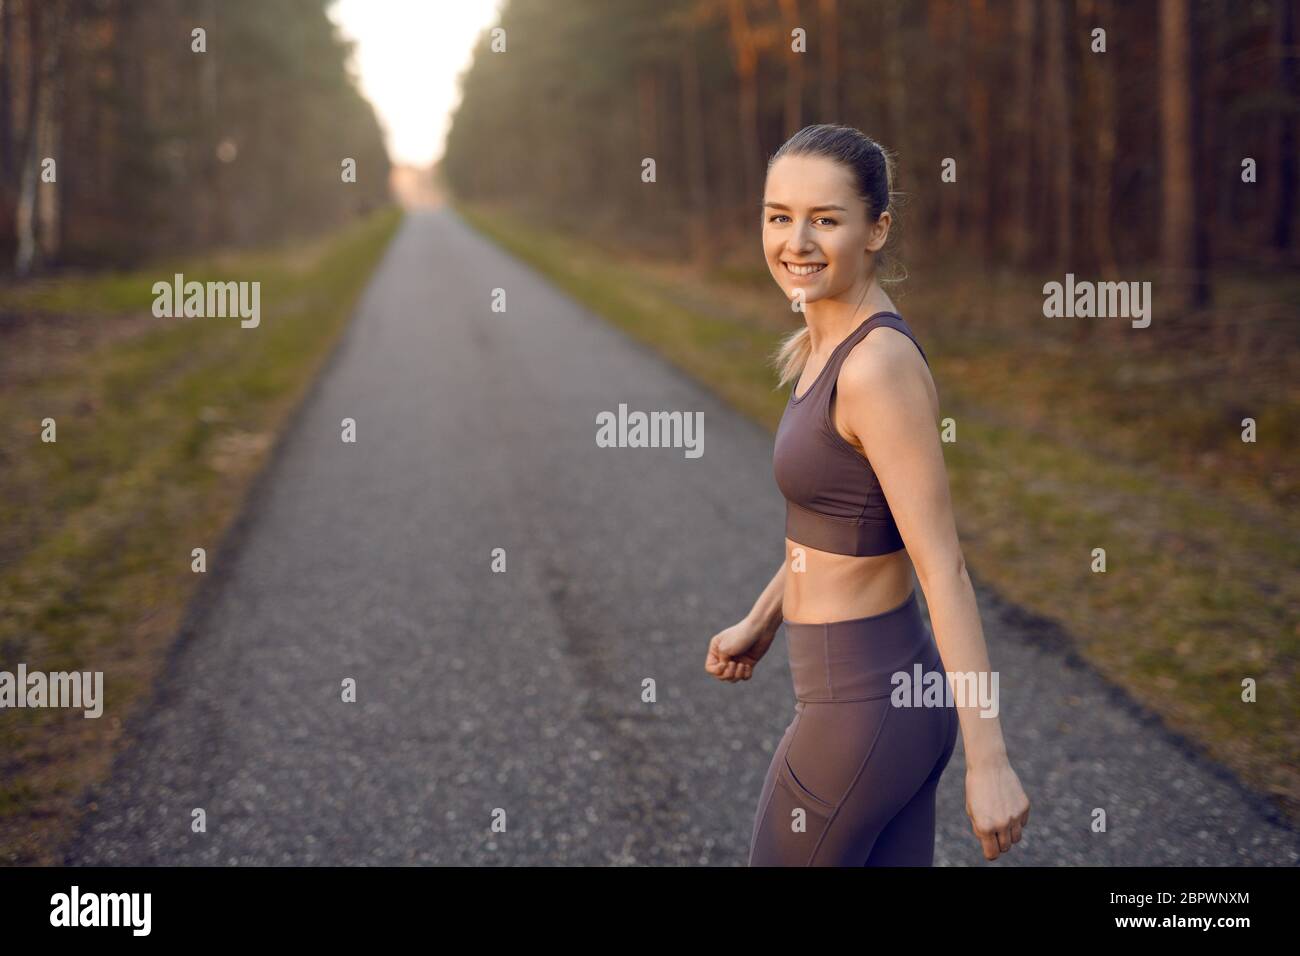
x=1062, y=447
x=161, y=426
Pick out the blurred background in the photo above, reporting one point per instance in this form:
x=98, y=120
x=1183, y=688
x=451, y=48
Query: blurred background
x=168, y=151
x=1164, y=148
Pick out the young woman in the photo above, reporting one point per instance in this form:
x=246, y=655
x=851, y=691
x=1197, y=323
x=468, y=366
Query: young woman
x=858, y=459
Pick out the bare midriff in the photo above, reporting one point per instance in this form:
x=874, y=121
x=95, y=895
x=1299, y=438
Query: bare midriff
x=841, y=587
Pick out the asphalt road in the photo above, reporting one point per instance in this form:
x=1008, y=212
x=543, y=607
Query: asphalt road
x=518, y=696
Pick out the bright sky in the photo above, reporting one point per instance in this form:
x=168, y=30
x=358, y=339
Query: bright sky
x=408, y=55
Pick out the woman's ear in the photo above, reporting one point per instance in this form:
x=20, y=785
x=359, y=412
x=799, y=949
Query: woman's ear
x=879, y=232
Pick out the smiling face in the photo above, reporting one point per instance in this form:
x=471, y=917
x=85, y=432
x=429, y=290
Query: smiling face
x=815, y=231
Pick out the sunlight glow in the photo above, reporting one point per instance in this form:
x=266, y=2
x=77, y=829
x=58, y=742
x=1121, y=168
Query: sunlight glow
x=408, y=56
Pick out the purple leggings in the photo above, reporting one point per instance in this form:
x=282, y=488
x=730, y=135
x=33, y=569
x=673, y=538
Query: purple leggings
x=853, y=781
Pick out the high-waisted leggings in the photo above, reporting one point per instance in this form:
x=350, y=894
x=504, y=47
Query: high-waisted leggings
x=853, y=781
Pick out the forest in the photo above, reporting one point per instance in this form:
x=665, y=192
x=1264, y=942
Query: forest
x=1091, y=136
x=131, y=129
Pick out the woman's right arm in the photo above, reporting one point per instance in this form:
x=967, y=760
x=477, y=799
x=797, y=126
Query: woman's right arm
x=766, y=613
x=733, y=652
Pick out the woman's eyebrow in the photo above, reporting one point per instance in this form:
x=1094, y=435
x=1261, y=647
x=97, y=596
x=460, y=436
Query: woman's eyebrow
x=781, y=205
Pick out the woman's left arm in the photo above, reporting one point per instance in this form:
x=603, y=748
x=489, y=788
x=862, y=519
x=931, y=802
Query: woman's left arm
x=884, y=396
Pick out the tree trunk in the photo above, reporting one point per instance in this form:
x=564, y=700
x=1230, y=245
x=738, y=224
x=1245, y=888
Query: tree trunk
x=693, y=137
x=6, y=92
x=1285, y=52
x=1057, y=53
x=978, y=200
x=648, y=137
x=745, y=50
x=25, y=208
x=794, y=68
x=1202, y=150
x=1100, y=73
x=49, y=199
x=1022, y=131
x=828, y=55
x=945, y=33
x=206, y=167
x=1178, y=196
x=896, y=100
x=47, y=40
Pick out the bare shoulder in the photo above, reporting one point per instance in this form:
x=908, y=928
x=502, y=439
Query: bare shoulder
x=885, y=367
x=884, y=355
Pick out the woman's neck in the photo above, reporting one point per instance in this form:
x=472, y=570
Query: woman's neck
x=831, y=320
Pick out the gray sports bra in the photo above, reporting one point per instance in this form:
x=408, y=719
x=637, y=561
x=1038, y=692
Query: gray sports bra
x=833, y=500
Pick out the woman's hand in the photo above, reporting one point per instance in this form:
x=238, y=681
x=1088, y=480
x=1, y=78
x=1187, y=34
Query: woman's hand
x=997, y=806
x=733, y=652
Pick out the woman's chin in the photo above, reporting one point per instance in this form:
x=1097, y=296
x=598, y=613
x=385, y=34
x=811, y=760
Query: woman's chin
x=792, y=292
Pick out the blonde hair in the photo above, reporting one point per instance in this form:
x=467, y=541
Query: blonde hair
x=873, y=168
